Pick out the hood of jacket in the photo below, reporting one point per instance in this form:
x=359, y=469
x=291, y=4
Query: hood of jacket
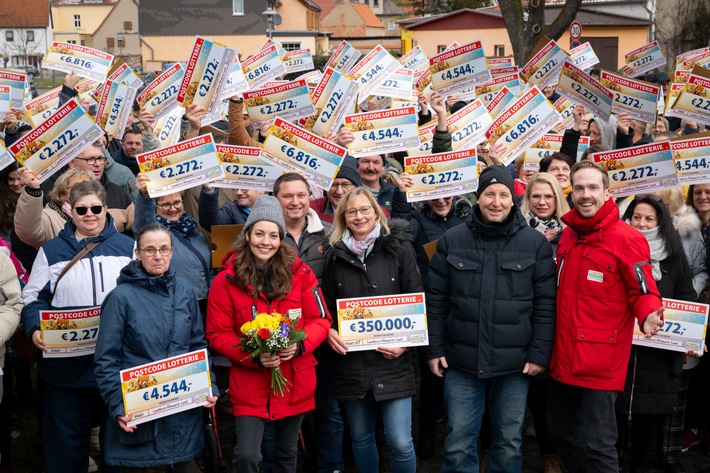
x=687, y=222
x=314, y=223
x=460, y=208
x=134, y=273
x=514, y=222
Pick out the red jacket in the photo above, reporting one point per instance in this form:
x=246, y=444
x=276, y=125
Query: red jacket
x=604, y=280
x=229, y=307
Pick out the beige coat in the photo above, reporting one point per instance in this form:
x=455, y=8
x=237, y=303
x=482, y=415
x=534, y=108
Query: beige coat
x=10, y=303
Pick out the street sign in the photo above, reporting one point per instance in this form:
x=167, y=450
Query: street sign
x=575, y=30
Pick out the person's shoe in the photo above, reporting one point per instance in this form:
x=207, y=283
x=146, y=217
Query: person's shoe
x=93, y=467
x=530, y=431
x=675, y=468
x=483, y=460
x=690, y=439
x=551, y=464
x=425, y=448
x=94, y=446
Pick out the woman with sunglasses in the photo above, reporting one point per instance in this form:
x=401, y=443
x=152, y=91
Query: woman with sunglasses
x=61, y=281
x=153, y=315
x=655, y=381
x=369, y=256
x=192, y=254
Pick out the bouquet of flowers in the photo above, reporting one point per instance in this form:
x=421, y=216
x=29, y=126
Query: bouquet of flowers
x=269, y=333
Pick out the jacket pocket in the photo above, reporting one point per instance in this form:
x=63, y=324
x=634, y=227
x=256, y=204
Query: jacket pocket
x=304, y=379
x=144, y=433
x=518, y=275
x=591, y=348
x=598, y=270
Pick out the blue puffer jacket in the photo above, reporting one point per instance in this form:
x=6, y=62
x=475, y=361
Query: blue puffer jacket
x=84, y=285
x=147, y=318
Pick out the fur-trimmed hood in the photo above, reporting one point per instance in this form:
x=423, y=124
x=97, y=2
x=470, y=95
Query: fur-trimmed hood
x=687, y=222
x=460, y=208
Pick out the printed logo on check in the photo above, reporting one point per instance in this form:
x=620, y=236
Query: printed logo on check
x=595, y=276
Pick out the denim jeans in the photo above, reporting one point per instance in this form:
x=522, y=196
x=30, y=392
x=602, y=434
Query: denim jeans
x=466, y=398
x=329, y=426
x=247, y=452
x=397, y=420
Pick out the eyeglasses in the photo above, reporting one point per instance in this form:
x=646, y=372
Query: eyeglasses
x=150, y=251
x=545, y=197
x=346, y=187
x=95, y=209
x=362, y=210
x=166, y=206
x=92, y=161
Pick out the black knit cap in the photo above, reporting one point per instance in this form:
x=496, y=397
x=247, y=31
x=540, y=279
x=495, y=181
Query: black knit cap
x=348, y=170
x=495, y=175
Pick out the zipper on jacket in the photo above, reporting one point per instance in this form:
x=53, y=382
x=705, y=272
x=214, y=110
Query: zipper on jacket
x=633, y=385
x=93, y=280
x=101, y=276
x=559, y=271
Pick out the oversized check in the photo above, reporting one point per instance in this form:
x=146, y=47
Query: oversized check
x=344, y=58
x=57, y=141
x=17, y=81
x=487, y=91
x=583, y=56
x=115, y=108
x=86, y=62
x=693, y=102
x=645, y=59
x=367, y=323
x=5, y=157
x=167, y=127
x=85, y=88
x=313, y=78
x=581, y=88
x=468, y=126
x=123, y=73
x=691, y=154
x=543, y=67
x=288, y=101
x=236, y=82
x=682, y=57
x=415, y=59
x=635, y=97
x=262, y=67
x=564, y=107
x=505, y=71
x=500, y=102
x=674, y=91
x=459, y=69
x=422, y=83
x=5, y=98
x=639, y=169
x=374, y=103
x=187, y=164
x=245, y=169
x=426, y=139
x=548, y=144
x=334, y=97
x=442, y=175
x=383, y=131
x=69, y=333
x=161, y=94
x=270, y=42
x=524, y=122
x=373, y=70
x=294, y=149
x=205, y=74
x=498, y=62
x=398, y=85
x=166, y=387
x=684, y=327
x=297, y=61
x=702, y=60
x=39, y=109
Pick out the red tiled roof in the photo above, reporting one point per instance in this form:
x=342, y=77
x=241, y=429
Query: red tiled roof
x=31, y=13
x=368, y=15
x=325, y=7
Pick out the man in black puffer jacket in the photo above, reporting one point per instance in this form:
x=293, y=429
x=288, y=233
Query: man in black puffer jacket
x=491, y=314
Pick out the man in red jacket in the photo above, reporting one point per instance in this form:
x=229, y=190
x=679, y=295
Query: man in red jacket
x=604, y=281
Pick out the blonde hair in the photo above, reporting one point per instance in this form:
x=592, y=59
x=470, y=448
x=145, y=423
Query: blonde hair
x=339, y=224
x=60, y=191
x=673, y=198
x=561, y=206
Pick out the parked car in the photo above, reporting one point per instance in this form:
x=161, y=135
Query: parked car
x=29, y=70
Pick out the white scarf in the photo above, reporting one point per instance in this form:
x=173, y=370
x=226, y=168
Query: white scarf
x=658, y=250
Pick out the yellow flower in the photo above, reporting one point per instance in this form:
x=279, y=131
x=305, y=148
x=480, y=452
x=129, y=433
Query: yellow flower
x=246, y=327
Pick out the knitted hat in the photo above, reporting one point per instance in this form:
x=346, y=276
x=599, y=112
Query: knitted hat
x=457, y=106
x=348, y=170
x=495, y=175
x=266, y=208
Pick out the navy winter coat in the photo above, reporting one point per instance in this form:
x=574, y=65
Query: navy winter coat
x=145, y=319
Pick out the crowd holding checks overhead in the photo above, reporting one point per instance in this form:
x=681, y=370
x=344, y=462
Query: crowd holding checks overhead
x=547, y=252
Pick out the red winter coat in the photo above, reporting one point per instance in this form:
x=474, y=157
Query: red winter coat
x=229, y=307
x=604, y=280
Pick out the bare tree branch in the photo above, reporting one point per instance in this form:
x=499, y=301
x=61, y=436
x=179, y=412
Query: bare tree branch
x=564, y=19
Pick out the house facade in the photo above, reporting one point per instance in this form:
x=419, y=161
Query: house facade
x=25, y=33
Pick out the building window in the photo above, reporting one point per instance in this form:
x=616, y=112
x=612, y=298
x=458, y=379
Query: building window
x=291, y=46
x=376, y=3
x=71, y=41
x=83, y=42
x=121, y=42
x=9, y=36
x=441, y=48
x=390, y=25
x=30, y=36
x=127, y=25
x=77, y=21
x=499, y=50
x=110, y=43
x=237, y=7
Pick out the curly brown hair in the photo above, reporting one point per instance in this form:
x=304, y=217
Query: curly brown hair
x=8, y=200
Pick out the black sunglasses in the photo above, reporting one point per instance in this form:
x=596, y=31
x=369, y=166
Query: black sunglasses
x=95, y=209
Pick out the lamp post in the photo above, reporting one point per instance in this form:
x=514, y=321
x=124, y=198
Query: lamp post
x=269, y=13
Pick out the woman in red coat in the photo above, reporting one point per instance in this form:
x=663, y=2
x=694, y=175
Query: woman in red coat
x=265, y=276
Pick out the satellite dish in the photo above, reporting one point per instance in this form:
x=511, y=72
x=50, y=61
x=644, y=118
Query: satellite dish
x=277, y=19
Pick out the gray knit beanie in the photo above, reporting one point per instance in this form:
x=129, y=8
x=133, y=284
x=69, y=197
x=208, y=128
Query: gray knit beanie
x=348, y=170
x=266, y=208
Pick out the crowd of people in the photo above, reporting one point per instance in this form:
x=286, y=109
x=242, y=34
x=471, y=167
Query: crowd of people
x=532, y=295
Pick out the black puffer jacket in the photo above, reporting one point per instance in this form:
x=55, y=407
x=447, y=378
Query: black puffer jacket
x=390, y=268
x=428, y=226
x=491, y=297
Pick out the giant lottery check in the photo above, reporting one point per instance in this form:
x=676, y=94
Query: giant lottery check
x=115, y=108
x=684, y=327
x=288, y=101
x=373, y=70
x=442, y=175
x=366, y=323
x=205, y=74
x=580, y=87
x=161, y=94
x=264, y=66
x=344, y=58
x=691, y=154
x=383, y=131
x=543, y=68
x=39, y=109
x=69, y=333
x=635, y=97
x=245, y=169
x=459, y=69
x=17, y=81
x=86, y=62
x=693, y=102
x=645, y=59
x=334, y=98
x=57, y=140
